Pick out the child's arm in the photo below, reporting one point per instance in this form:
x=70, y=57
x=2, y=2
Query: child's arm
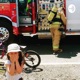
x=10, y=68
x=19, y=67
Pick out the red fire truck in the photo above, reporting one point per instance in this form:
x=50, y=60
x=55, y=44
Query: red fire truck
x=16, y=19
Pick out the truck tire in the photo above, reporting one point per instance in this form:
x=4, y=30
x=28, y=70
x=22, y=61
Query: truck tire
x=6, y=32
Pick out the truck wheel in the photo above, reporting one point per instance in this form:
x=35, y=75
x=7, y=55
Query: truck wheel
x=6, y=33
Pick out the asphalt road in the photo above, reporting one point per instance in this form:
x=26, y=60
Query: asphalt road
x=48, y=72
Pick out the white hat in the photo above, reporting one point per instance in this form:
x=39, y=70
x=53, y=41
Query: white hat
x=13, y=48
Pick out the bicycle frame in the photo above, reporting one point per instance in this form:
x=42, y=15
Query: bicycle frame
x=32, y=57
x=2, y=49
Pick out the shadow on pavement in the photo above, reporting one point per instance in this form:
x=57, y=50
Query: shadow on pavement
x=30, y=70
x=67, y=54
x=69, y=51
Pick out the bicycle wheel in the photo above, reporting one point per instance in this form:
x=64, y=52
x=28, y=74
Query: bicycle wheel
x=32, y=59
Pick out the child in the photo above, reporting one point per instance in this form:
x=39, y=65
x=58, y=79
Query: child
x=14, y=63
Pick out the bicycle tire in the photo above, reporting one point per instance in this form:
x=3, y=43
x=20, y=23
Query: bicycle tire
x=30, y=56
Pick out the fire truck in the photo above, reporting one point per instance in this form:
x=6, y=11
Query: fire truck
x=29, y=18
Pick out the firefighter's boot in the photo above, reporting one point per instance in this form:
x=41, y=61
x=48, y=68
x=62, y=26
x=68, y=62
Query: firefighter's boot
x=57, y=51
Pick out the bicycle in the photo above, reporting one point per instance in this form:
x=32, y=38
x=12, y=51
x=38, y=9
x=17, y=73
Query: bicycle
x=32, y=58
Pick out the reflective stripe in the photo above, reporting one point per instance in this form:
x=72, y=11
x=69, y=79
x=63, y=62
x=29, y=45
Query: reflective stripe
x=5, y=17
x=55, y=47
x=14, y=24
x=56, y=23
x=34, y=22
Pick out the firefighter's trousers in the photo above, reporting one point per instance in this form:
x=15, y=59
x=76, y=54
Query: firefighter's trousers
x=56, y=35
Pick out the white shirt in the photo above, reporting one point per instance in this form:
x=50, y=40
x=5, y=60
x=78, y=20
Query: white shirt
x=10, y=77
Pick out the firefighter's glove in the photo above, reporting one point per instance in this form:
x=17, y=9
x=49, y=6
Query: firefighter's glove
x=62, y=30
x=50, y=22
x=63, y=35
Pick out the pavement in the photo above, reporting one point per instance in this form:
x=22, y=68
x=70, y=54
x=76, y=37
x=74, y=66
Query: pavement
x=52, y=59
x=55, y=59
x=52, y=67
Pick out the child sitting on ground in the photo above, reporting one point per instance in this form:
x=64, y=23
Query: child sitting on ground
x=14, y=63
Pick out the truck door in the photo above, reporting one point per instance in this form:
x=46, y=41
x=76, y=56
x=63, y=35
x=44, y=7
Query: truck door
x=14, y=15
x=73, y=15
x=25, y=12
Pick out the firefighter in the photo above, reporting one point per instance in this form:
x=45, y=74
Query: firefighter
x=57, y=20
